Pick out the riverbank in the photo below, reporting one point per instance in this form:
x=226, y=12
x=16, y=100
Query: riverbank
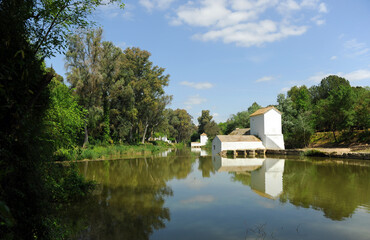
x=323, y=152
x=99, y=152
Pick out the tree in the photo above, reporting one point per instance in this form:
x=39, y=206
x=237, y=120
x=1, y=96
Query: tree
x=146, y=83
x=241, y=119
x=65, y=118
x=83, y=62
x=30, y=31
x=207, y=125
x=109, y=69
x=336, y=112
x=301, y=98
x=180, y=124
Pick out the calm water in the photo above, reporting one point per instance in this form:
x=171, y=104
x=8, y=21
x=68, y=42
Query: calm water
x=188, y=196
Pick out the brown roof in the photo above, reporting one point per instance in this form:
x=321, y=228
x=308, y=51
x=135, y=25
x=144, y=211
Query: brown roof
x=238, y=138
x=263, y=111
x=241, y=131
x=203, y=134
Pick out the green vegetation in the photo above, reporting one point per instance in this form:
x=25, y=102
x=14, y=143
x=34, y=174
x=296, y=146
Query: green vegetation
x=333, y=105
x=111, y=151
x=32, y=188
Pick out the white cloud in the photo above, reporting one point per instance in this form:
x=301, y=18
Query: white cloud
x=194, y=100
x=318, y=77
x=356, y=48
x=284, y=90
x=333, y=58
x=358, y=75
x=244, y=23
x=202, y=85
x=155, y=4
x=322, y=8
x=265, y=79
x=113, y=10
x=318, y=20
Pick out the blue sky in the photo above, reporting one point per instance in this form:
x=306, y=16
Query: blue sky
x=223, y=55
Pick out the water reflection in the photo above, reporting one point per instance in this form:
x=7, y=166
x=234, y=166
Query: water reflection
x=129, y=200
x=201, y=151
x=189, y=196
x=265, y=175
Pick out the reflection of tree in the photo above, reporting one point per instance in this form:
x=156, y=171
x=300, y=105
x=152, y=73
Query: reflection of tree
x=337, y=190
x=206, y=166
x=243, y=177
x=129, y=201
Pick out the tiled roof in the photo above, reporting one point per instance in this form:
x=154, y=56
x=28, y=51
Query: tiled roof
x=240, y=131
x=238, y=138
x=263, y=111
x=203, y=134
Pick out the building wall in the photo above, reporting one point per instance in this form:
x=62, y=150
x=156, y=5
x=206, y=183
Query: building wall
x=216, y=145
x=203, y=140
x=257, y=125
x=241, y=145
x=274, y=141
x=268, y=128
x=272, y=122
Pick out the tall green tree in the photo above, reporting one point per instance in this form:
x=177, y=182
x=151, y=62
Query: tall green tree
x=30, y=31
x=207, y=125
x=109, y=69
x=147, y=83
x=83, y=60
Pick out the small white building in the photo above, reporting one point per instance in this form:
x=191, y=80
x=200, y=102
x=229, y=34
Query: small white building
x=266, y=124
x=264, y=133
x=203, y=141
x=235, y=142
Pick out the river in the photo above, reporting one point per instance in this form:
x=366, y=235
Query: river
x=191, y=195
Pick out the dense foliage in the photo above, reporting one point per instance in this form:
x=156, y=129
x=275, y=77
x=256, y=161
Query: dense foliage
x=333, y=105
x=30, y=31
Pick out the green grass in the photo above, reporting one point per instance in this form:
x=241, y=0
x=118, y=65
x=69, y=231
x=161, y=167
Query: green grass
x=313, y=153
x=103, y=151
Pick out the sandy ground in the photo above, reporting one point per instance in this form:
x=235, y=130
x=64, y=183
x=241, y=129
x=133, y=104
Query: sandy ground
x=353, y=148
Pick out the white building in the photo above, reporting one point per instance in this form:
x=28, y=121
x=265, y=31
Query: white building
x=235, y=142
x=264, y=133
x=266, y=124
x=203, y=141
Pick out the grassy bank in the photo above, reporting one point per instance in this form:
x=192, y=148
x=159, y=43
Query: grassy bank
x=112, y=151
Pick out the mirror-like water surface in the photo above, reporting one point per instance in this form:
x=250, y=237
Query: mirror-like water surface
x=185, y=195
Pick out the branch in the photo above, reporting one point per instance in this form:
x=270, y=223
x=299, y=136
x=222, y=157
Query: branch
x=51, y=27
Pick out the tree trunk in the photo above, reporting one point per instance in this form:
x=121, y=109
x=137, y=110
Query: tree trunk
x=146, y=128
x=335, y=138
x=86, y=140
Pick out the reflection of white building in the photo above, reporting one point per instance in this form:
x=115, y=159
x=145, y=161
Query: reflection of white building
x=201, y=151
x=203, y=141
x=222, y=164
x=268, y=180
x=266, y=174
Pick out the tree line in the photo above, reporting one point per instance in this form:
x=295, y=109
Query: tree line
x=119, y=94
x=333, y=105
